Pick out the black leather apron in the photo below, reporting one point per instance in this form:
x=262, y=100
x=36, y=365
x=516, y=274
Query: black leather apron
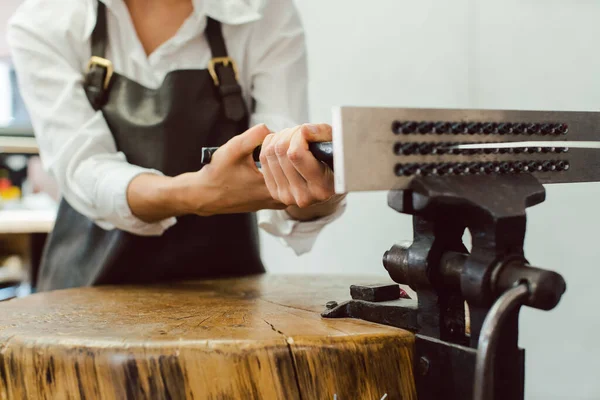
x=162, y=129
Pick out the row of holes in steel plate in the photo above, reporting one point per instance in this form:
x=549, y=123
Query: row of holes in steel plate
x=407, y=149
x=481, y=168
x=481, y=128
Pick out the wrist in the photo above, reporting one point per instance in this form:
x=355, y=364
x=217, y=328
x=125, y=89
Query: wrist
x=179, y=193
x=315, y=211
x=190, y=195
x=153, y=197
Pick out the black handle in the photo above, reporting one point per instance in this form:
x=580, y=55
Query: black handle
x=323, y=151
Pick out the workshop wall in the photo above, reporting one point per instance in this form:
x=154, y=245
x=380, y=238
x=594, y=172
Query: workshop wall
x=469, y=53
x=544, y=55
x=7, y=8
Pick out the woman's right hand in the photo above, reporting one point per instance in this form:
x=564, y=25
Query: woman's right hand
x=231, y=183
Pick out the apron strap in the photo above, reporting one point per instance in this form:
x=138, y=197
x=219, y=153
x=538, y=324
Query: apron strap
x=224, y=73
x=222, y=68
x=100, y=32
x=99, y=70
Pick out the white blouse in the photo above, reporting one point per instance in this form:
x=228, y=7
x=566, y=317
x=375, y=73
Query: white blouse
x=50, y=47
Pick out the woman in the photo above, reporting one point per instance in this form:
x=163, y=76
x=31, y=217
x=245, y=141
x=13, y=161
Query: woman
x=123, y=94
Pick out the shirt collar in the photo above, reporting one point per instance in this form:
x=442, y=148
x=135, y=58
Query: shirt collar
x=233, y=12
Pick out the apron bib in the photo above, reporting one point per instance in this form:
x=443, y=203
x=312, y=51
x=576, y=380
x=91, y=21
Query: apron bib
x=163, y=129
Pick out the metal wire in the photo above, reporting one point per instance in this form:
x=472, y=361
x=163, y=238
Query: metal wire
x=488, y=339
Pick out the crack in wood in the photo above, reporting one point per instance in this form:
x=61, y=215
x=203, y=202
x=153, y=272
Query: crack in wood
x=286, y=306
x=201, y=322
x=275, y=329
x=301, y=309
x=291, y=353
x=185, y=317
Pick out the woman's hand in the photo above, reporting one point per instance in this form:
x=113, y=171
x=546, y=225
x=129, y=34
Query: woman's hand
x=232, y=183
x=291, y=179
x=294, y=176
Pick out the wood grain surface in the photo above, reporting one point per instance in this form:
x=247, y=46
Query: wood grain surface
x=251, y=338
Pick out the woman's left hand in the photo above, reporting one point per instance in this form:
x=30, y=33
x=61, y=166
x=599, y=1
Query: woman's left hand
x=294, y=176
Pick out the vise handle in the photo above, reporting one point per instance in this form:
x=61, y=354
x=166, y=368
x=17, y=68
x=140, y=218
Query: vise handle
x=322, y=151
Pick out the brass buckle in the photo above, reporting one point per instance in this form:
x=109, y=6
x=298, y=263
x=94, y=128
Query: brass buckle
x=102, y=62
x=221, y=60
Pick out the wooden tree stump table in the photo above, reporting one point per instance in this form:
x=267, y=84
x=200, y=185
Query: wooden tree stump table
x=250, y=338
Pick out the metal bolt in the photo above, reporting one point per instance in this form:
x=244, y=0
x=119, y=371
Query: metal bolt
x=410, y=148
x=442, y=127
x=331, y=304
x=488, y=168
x=504, y=128
x=409, y=127
x=399, y=170
x=458, y=128
x=425, y=148
x=423, y=367
x=519, y=128
x=535, y=166
x=425, y=127
x=505, y=167
x=474, y=128
x=489, y=127
x=562, y=129
x=533, y=129
x=398, y=148
x=547, y=129
x=519, y=167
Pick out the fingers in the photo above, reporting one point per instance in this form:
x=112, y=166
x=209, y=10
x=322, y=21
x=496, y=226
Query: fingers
x=292, y=174
x=317, y=132
x=296, y=190
x=302, y=159
x=266, y=170
x=241, y=146
x=298, y=184
x=317, y=175
x=278, y=182
x=253, y=138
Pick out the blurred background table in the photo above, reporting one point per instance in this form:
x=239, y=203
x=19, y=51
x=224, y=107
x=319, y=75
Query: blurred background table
x=23, y=234
x=28, y=199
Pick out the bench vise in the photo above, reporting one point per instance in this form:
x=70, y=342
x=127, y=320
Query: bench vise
x=454, y=170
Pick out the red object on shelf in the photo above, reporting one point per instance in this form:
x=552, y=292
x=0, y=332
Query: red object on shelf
x=5, y=183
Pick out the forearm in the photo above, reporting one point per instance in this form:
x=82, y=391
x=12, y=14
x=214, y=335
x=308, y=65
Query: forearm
x=153, y=198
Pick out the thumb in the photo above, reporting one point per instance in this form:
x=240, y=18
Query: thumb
x=249, y=140
x=317, y=132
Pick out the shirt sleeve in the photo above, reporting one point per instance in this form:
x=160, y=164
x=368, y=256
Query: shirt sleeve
x=50, y=47
x=279, y=76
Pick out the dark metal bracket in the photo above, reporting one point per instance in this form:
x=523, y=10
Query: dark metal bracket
x=472, y=358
